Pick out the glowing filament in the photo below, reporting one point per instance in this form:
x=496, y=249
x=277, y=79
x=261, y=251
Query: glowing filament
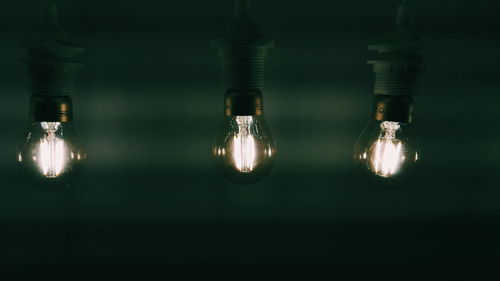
x=387, y=158
x=51, y=152
x=244, y=149
x=387, y=151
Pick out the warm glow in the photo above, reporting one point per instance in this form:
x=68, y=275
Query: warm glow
x=387, y=157
x=243, y=146
x=51, y=152
x=387, y=152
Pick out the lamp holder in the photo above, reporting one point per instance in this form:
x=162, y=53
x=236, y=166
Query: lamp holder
x=242, y=51
x=52, y=59
x=398, y=60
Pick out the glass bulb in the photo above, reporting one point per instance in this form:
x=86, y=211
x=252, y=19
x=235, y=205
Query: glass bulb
x=50, y=154
x=245, y=151
x=386, y=152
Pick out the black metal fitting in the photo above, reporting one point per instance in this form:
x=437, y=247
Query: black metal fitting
x=51, y=109
x=393, y=108
x=243, y=102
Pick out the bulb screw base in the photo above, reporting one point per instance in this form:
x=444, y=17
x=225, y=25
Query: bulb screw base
x=243, y=103
x=51, y=109
x=393, y=108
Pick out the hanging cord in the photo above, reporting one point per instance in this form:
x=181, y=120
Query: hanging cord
x=49, y=17
x=242, y=9
x=403, y=17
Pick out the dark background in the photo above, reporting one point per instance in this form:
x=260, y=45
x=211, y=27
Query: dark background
x=149, y=103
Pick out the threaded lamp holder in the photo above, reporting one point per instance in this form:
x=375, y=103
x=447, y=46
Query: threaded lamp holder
x=242, y=52
x=244, y=69
x=398, y=61
x=52, y=61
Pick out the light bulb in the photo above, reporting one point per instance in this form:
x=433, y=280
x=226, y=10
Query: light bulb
x=387, y=152
x=245, y=150
x=51, y=154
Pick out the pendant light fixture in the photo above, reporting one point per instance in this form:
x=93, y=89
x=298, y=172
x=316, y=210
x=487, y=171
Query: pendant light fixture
x=387, y=149
x=244, y=151
x=51, y=152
